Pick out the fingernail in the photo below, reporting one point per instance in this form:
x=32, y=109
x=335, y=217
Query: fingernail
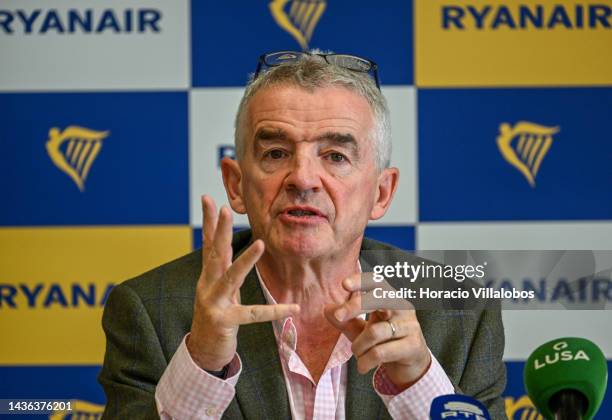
x=348, y=283
x=340, y=314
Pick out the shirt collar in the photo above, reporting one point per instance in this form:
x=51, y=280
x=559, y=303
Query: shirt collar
x=281, y=326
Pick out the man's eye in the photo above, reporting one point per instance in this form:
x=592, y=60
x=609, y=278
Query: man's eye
x=275, y=154
x=337, y=157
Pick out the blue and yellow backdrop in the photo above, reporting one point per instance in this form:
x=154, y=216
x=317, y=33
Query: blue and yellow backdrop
x=114, y=115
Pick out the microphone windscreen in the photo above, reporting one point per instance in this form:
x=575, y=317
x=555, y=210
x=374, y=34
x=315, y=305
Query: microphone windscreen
x=457, y=407
x=569, y=363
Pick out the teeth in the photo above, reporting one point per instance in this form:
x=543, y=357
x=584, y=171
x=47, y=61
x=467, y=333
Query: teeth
x=301, y=213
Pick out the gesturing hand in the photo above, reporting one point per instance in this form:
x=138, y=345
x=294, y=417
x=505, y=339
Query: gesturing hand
x=217, y=312
x=391, y=338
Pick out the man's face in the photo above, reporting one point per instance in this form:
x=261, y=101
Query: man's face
x=308, y=179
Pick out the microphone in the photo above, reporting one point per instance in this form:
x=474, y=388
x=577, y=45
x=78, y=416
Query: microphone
x=566, y=378
x=457, y=407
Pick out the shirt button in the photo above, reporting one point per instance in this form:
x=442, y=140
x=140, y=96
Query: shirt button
x=210, y=412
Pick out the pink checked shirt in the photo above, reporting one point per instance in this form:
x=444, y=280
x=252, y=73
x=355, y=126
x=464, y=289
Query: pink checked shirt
x=185, y=391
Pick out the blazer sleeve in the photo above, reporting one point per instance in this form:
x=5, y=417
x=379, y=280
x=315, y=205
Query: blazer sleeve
x=484, y=377
x=134, y=360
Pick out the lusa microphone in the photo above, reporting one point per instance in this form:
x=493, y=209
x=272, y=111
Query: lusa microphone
x=566, y=378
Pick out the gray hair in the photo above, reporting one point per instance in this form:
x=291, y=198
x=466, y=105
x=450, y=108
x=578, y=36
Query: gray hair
x=311, y=72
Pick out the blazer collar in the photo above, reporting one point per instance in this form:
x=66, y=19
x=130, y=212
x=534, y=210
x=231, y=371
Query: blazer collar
x=361, y=399
x=261, y=390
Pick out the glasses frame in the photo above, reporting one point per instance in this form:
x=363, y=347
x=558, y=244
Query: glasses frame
x=262, y=64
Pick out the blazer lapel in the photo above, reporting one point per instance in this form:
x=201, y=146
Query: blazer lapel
x=261, y=390
x=361, y=399
x=362, y=402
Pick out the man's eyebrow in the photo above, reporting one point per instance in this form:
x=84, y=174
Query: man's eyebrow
x=270, y=134
x=263, y=135
x=345, y=139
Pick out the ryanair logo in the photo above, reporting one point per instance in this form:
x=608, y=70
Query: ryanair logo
x=40, y=295
x=298, y=17
x=81, y=410
x=525, y=145
x=521, y=408
x=74, y=150
x=86, y=21
x=524, y=17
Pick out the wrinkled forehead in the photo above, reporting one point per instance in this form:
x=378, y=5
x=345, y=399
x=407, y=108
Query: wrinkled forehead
x=338, y=107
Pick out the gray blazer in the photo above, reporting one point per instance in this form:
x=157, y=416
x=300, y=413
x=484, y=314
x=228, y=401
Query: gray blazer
x=145, y=319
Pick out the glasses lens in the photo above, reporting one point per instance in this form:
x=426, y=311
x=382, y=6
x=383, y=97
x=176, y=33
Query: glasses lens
x=350, y=62
x=280, y=57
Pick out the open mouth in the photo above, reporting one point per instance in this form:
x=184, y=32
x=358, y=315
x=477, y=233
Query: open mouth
x=303, y=214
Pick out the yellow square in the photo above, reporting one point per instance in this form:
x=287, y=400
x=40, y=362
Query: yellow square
x=513, y=43
x=53, y=282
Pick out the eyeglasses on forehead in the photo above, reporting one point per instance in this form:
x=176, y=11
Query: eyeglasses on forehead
x=347, y=61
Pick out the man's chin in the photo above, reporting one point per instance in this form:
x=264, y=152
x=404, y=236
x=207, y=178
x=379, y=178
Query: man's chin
x=303, y=246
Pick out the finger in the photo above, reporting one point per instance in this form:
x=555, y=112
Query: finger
x=374, y=334
x=220, y=256
x=351, y=328
x=380, y=315
x=209, y=224
x=390, y=351
x=241, y=315
x=383, y=296
x=349, y=309
x=359, y=282
x=353, y=307
x=234, y=277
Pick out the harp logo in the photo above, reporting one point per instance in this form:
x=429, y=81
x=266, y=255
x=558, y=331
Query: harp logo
x=79, y=410
x=521, y=408
x=525, y=145
x=74, y=150
x=298, y=17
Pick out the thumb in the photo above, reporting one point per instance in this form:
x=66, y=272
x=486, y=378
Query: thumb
x=350, y=328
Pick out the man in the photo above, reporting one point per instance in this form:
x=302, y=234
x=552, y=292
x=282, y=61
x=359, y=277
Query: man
x=268, y=323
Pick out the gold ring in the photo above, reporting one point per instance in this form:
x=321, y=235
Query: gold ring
x=393, y=328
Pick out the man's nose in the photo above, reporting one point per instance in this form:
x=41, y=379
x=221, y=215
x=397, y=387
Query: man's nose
x=304, y=174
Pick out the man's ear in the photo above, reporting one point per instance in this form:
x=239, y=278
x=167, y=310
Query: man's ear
x=387, y=184
x=232, y=180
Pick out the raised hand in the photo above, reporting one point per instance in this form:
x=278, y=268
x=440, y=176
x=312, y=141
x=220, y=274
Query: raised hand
x=217, y=312
x=391, y=338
